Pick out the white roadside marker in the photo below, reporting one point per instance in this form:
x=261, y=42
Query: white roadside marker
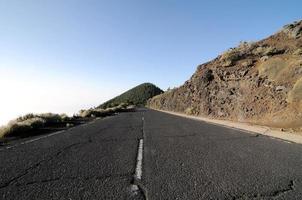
x=138, y=169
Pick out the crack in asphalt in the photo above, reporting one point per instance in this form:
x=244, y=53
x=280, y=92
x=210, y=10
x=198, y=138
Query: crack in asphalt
x=36, y=165
x=274, y=194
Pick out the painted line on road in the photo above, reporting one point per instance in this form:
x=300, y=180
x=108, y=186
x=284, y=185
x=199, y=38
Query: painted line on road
x=33, y=140
x=139, y=160
x=135, y=188
x=46, y=136
x=143, y=126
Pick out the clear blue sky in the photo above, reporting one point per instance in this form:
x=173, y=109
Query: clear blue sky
x=91, y=50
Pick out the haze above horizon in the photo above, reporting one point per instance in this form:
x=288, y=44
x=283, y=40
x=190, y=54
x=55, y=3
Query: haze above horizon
x=62, y=56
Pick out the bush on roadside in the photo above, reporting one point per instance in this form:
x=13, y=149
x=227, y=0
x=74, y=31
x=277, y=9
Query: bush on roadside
x=99, y=112
x=50, y=118
x=17, y=126
x=31, y=122
x=25, y=117
x=65, y=118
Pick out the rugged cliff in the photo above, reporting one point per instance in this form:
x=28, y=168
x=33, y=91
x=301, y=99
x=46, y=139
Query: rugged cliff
x=258, y=82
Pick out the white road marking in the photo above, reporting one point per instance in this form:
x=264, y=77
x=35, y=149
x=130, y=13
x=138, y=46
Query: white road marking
x=46, y=136
x=138, y=169
x=134, y=189
x=139, y=162
x=33, y=140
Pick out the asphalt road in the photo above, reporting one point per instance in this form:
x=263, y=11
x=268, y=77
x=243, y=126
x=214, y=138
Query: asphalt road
x=181, y=159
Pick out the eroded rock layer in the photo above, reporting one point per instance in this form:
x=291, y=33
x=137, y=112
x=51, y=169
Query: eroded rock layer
x=257, y=82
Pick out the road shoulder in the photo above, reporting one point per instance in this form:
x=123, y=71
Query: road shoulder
x=252, y=129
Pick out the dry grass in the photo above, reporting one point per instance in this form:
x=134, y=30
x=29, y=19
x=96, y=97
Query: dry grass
x=33, y=122
x=98, y=112
x=273, y=68
x=17, y=126
x=295, y=95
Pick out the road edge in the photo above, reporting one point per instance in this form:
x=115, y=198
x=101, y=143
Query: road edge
x=248, y=128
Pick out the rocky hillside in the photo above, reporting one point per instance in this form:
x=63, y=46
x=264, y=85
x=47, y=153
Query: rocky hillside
x=258, y=82
x=135, y=96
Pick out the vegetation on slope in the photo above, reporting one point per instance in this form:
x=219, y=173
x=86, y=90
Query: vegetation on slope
x=27, y=124
x=135, y=96
x=32, y=124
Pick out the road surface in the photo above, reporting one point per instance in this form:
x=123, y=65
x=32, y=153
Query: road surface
x=150, y=155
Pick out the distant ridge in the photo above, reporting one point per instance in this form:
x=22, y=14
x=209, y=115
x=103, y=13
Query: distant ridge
x=136, y=96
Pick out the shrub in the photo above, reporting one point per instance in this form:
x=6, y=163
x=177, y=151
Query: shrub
x=65, y=117
x=96, y=112
x=2, y=131
x=85, y=113
x=25, y=117
x=293, y=30
x=35, y=122
x=16, y=127
x=99, y=112
x=267, y=51
x=30, y=122
x=231, y=55
x=50, y=118
x=234, y=54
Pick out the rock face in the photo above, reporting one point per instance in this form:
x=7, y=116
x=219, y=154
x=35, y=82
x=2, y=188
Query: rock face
x=293, y=30
x=257, y=82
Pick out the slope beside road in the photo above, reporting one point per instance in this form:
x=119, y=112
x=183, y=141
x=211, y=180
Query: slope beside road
x=181, y=159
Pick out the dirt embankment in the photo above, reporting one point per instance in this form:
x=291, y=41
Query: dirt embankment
x=258, y=82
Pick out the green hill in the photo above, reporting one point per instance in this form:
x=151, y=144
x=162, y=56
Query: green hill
x=136, y=96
